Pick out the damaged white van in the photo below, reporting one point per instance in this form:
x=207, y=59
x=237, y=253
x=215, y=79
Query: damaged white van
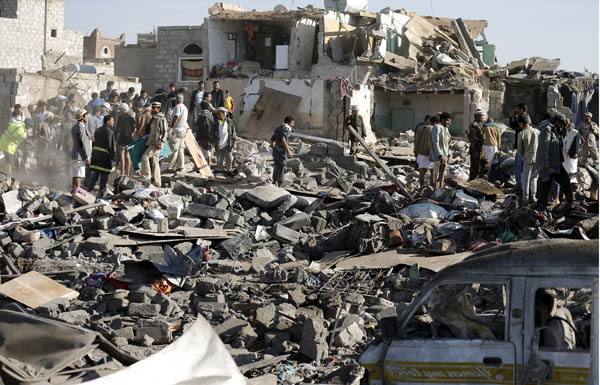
x=520, y=313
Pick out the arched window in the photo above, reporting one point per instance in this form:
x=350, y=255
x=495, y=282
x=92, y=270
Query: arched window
x=192, y=49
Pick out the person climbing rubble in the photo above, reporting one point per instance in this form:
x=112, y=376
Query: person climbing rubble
x=155, y=143
x=479, y=159
x=356, y=121
x=281, y=149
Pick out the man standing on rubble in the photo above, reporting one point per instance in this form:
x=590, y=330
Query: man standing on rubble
x=223, y=139
x=422, y=148
x=15, y=134
x=527, y=145
x=550, y=159
x=513, y=123
x=356, y=121
x=589, y=135
x=218, y=97
x=204, y=125
x=82, y=152
x=142, y=122
x=492, y=139
x=439, y=153
x=155, y=143
x=177, y=133
x=103, y=154
x=479, y=162
x=195, y=100
x=281, y=150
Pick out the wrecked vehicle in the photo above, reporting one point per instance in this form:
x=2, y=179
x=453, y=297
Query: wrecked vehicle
x=500, y=315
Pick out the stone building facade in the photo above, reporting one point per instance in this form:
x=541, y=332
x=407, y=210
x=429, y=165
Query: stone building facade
x=32, y=29
x=97, y=46
x=180, y=55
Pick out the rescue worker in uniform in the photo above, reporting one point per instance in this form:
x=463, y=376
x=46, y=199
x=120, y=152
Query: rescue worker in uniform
x=281, y=150
x=12, y=138
x=356, y=121
x=479, y=162
x=103, y=154
x=155, y=143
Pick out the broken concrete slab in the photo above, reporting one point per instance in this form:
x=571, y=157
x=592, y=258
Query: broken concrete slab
x=204, y=211
x=267, y=197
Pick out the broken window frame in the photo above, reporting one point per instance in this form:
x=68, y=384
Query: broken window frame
x=427, y=291
x=180, y=69
x=531, y=309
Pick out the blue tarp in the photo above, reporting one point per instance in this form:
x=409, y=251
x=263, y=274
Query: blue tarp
x=136, y=150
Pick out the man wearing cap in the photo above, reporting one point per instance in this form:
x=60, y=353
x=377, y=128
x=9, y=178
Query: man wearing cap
x=589, y=135
x=550, y=160
x=479, y=161
x=356, y=121
x=125, y=130
x=82, y=152
x=223, y=139
x=177, y=134
x=103, y=155
x=155, y=143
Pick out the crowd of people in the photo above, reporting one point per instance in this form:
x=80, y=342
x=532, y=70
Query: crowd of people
x=547, y=158
x=96, y=138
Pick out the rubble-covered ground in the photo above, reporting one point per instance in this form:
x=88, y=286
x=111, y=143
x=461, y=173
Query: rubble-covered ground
x=260, y=263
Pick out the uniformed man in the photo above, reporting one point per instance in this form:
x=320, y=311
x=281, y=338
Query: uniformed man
x=589, y=135
x=479, y=162
x=281, y=150
x=155, y=143
x=356, y=121
x=12, y=138
x=103, y=154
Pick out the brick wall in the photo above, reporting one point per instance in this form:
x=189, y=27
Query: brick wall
x=23, y=38
x=169, y=48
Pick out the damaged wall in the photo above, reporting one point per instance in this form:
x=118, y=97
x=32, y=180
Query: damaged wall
x=301, y=50
x=171, y=42
x=400, y=113
x=220, y=49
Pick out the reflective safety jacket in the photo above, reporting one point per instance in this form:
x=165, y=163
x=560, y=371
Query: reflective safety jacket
x=103, y=152
x=12, y=138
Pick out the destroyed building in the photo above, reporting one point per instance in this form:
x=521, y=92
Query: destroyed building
x=40, y=59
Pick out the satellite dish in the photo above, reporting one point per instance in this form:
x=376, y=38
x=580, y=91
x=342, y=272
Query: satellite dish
x=280, y=8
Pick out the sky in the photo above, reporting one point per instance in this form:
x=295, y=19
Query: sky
x=519, y=28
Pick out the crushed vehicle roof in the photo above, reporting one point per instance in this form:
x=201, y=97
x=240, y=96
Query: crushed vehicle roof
x=533, y=258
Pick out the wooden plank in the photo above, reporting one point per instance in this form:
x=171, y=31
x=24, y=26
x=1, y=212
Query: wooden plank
x=381, y=164
x=34, y=289
x=199, y=161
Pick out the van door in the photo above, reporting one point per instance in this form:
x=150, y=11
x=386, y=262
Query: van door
x=462, y=337
x=558, y=320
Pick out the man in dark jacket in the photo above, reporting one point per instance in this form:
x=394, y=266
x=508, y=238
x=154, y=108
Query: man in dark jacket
x=550, y=160
x=103, y=154
x=218, y=96
x=204, y=125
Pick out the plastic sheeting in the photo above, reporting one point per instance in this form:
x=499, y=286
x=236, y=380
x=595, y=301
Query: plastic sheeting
x=198, y=357
x=425, y=211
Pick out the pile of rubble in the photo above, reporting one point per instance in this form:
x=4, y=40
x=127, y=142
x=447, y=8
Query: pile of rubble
x=293, y=280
